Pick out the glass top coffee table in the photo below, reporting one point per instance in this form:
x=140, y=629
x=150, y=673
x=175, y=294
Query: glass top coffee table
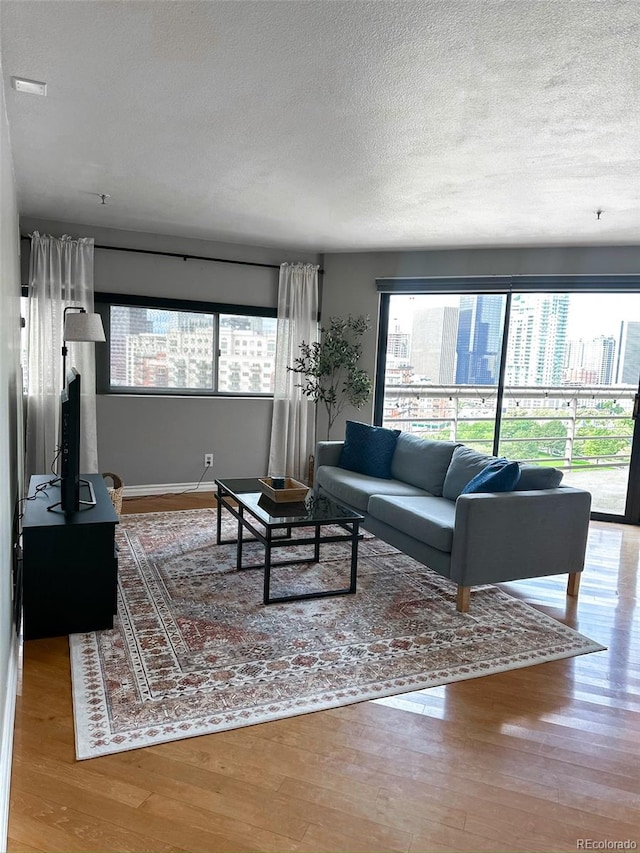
x=273, y=524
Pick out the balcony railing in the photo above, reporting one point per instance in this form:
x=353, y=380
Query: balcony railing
x=593, y=424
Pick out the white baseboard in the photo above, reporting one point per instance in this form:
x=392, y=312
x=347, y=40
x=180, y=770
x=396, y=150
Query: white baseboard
x=166, y=489
x=6, y=742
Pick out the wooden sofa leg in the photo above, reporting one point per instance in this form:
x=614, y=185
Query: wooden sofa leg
x=463, y=598
x=573, y=584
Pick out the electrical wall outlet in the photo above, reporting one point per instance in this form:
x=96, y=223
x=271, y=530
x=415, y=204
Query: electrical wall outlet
x=208, y=460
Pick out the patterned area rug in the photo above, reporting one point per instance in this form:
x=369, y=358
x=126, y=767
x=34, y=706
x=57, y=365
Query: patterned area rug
x=195, y=651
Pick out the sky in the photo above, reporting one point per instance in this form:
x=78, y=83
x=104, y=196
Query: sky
x=590, y=314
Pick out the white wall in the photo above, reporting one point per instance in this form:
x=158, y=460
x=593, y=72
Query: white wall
x=11, y=450
x=155, y=440
x=349, y=282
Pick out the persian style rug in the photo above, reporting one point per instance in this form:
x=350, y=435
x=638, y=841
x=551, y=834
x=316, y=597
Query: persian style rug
x=194, y=651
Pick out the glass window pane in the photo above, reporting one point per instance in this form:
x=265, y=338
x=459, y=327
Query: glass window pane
x=571, y=373
x=156, y=348
x=534, y=417
x=443, y=365
x=573, y=363
x=247, y=354
x=598, y=382
x=24, y=343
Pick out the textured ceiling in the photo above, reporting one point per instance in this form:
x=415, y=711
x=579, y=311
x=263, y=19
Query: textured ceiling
x=329, y=125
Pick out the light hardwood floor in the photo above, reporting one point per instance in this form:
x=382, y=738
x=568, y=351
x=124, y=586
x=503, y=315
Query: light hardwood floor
x=534, y=759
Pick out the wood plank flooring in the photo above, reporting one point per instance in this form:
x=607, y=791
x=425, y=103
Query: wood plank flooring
x=536, y=759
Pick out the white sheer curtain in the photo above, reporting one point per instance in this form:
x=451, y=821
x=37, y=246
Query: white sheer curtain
x=60, y=274
x=293, y=424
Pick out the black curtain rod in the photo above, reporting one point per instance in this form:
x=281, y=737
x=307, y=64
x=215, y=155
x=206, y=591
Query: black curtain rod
x=184, y=256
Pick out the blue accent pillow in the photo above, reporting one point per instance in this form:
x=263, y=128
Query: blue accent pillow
x=499, y=476
x=368, y=449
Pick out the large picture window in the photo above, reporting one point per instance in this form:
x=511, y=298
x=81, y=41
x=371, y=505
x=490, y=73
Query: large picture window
x=548, y=377
x=185, y=350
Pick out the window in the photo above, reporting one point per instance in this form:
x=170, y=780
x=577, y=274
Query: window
x=157, y=349
x=241, y=338
x=547, y=377
x=24, y=342
x=442, y=366
x=171, y=347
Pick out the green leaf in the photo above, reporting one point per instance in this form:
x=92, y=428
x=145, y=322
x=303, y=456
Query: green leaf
x=329, y=367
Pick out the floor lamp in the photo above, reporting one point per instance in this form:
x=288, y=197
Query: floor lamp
x=79, y=327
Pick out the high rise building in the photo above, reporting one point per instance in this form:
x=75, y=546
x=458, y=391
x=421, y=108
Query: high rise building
x=398, y=343
x=537, y=337
x=628, y=362
x=433, y=344
x=175, y=359
x=246, y=360
x=590, y=361
x=607, y=368
x=479, y=339
x=125, y=321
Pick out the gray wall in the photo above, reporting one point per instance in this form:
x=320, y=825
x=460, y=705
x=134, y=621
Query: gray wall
x=349, y=282
x=11, y=449
x=160, y=440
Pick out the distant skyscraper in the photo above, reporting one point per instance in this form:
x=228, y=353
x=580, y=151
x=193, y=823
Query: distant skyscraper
x=479, y=339
x=607, y=365
x=628, y=364
x=433, y=344
x=398, y=345
x=125, y=322
x=590, y=362
x=537, y=337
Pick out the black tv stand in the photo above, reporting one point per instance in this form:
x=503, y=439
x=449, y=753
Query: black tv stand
x=83, y=504
x=70, y=565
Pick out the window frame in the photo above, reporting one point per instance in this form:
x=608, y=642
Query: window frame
x=508, y=286
x=103, y=302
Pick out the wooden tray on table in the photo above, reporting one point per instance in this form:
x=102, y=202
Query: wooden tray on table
x=293, y=491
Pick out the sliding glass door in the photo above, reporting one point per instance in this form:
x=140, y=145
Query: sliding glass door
x=571, y=375
x=544, y=377
x=442, y=366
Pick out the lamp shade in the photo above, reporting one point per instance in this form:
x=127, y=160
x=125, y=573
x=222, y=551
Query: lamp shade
x=83, y=327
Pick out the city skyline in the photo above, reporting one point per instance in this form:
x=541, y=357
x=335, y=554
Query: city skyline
x=447, y=343
x=541, y=349
x=591, y=314
x=158, y=348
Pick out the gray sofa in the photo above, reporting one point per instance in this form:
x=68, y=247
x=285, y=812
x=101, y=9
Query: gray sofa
x=538, y=529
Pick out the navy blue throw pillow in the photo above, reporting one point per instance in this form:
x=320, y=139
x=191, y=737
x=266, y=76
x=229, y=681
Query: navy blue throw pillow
x=499, y=476
x=368, y=449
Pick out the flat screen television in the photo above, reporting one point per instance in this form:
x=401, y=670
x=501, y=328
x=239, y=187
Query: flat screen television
x=70, y=443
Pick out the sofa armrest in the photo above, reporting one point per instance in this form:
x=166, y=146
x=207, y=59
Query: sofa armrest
x=328, y=453
x=513, y=535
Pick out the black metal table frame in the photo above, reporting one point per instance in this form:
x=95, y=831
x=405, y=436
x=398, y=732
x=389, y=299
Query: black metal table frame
x=269, y=541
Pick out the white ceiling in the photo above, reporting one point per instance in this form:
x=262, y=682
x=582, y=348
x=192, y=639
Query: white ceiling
x=330, y=125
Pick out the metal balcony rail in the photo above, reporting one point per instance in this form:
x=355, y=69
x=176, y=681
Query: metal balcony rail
x=425, y=410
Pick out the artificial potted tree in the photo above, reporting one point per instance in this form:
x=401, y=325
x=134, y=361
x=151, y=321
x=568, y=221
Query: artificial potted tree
x=329, y=367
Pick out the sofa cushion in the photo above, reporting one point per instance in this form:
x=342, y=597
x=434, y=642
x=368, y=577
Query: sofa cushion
x=422, y=461
x=429, y=519
x=498, y=476
x=534, y=477
x=355, y=489
x=465, y=464
x=368, y=449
